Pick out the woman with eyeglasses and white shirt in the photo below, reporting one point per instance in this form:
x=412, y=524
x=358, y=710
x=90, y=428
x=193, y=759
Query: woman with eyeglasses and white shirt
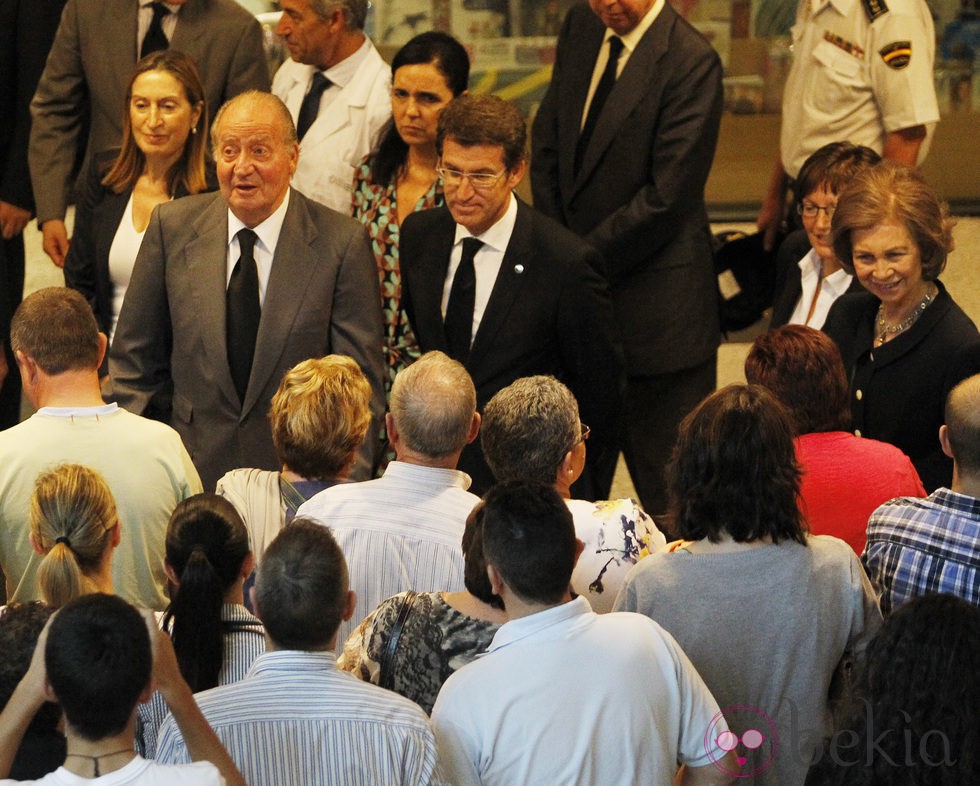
x=805, y=289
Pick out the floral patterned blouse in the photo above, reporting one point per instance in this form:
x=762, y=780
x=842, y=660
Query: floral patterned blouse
x=375, y=205
x=436, y=640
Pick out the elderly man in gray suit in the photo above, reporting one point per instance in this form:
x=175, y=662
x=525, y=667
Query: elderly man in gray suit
x=97, y=44
x=230, y=290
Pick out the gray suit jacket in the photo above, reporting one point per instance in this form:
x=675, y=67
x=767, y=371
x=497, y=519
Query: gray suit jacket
x=169, y=355
x=89, y=67
x=639, y=196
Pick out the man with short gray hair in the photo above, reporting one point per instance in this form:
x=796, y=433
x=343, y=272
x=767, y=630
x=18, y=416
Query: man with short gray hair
x=404, y=530
x=336, y=86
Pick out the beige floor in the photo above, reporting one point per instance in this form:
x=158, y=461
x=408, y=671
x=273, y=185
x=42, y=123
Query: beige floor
x=961, y=277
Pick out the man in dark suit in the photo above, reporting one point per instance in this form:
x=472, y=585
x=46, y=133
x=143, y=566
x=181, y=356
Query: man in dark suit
x=84, y=82
x=26, y=32
x=623, y=143
x=230, y=290
x=504, y=290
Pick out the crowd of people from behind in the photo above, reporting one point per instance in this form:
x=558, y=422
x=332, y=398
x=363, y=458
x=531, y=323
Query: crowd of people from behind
x=316, y=486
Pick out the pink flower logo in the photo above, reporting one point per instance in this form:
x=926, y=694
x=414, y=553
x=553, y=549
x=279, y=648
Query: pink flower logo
x=749, y=733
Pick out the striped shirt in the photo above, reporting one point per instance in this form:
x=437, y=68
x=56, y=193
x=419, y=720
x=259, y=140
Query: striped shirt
x=244, y=642
x=297, y=720
x=400, y=532
x=918, y=546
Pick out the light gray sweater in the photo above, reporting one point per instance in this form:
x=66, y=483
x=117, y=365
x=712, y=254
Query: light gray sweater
x=766, y=628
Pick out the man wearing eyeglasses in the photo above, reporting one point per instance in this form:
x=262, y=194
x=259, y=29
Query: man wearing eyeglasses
x=503, y=289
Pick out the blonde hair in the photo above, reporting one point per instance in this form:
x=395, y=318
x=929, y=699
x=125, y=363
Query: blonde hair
x=320, y=416
x=72, y=515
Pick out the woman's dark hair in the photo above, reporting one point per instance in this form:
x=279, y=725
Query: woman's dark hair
x=914, y=711
x=475, y=577
x=450, y=58
x=207, y=544
x=833, y=166
x=189, y=171
x=802, y=367
x=734, y=470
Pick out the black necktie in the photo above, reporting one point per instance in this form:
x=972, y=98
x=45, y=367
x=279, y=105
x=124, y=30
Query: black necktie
x=602, y=91
x=311, y=104
x=462, y=297
x=243, y=312
x=155, y=39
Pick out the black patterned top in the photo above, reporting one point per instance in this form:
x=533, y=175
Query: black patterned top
x=435, y=641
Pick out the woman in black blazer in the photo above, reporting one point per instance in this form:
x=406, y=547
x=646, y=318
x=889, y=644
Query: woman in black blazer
x=162, y=157
x=904, y=341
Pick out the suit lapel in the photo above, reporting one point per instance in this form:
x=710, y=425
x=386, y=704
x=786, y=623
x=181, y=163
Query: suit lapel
x=207, y=267
x=505, y=289
x=575, y=87
x=292, y=266
x=432, y=267
x=189, y=29
x=119, y=24
x=630, y=89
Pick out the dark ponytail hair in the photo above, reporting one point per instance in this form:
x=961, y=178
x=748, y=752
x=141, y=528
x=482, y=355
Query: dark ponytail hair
x=207, y=544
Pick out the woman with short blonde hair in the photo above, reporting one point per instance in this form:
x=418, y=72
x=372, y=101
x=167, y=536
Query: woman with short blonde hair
x=319, y=416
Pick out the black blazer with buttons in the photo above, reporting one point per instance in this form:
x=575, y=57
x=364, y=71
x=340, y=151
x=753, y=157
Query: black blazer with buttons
x=899, y=390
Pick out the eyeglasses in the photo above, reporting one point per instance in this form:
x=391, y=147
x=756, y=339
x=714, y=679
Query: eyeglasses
x=810, y=210
x=585, y=432
x=453, y=177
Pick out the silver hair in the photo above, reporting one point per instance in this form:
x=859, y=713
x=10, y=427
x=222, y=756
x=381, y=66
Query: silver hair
x=261, y=103
x=355, y=11
x=432, y=403
x=528, y=428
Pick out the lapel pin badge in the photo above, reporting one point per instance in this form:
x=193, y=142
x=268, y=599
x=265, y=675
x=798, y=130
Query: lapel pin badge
x=518, y=269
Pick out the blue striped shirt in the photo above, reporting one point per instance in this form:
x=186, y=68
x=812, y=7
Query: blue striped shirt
x=296, y=720
x=918, y=546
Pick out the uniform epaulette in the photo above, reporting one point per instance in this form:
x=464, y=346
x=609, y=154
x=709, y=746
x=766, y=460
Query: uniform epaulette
x=874, y=8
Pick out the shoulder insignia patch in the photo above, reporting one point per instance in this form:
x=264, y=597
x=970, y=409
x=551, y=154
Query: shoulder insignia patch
x=874, y=8
x=897, y=54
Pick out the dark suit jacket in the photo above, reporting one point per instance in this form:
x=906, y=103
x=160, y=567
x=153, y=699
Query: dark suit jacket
x=97, y=218
x=548, y=313
x=322, y=298
x=90, y=65
x=639, y=196
x=899, y=390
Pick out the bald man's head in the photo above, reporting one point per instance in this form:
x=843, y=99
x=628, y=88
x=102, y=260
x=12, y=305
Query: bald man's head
x=963, y=425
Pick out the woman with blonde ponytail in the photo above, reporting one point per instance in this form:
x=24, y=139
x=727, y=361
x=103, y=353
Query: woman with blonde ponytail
x=74, y=528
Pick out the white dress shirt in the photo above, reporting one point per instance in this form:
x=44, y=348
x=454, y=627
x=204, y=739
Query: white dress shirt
x=831, y=288
x=486, y=263
x=265, y=247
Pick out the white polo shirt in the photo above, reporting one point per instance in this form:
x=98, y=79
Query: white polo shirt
x=567, y=696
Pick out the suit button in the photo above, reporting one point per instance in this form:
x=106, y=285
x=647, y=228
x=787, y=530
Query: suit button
x=857, y=432
x=858, y=394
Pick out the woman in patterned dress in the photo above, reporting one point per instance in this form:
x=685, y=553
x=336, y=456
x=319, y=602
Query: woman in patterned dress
x=399, y=177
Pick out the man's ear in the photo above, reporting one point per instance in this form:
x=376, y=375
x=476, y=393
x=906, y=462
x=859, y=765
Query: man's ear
x=944, y=441
x=390, y=429
x=248, y=566
x=579, y=548
x=27, y=366
x=496, y=582
x=350, y=605
x=103, y=345
x=474, y=428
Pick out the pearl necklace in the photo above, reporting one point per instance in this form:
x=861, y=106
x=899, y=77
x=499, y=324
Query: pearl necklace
x=885, y=330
